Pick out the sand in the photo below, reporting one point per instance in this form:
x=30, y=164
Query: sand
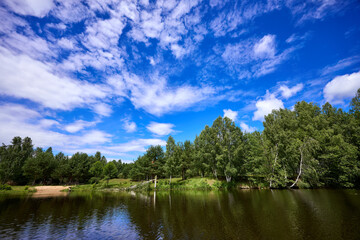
x=50, y=191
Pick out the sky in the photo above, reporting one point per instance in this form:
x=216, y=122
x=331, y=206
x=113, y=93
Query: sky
x=119, y=76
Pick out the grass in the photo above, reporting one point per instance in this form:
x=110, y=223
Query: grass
x=196, y=183
x=113, y=184
x=117, y=184
x=19, y=190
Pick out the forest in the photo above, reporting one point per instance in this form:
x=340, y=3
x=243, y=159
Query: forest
x=306, y=147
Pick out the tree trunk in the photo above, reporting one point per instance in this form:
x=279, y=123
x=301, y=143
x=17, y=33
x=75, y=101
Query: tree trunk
x=273, y=168
x=301, y=161
x=228, y=178
x=215, y=174
x=170, y=180
x=155, y=180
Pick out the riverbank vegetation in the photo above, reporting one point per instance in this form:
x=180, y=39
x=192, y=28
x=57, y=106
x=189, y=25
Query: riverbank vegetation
x=195, y=183
x=307, y=147
x=16, y=190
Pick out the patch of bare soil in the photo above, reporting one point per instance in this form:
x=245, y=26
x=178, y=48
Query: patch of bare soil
x=49, y=191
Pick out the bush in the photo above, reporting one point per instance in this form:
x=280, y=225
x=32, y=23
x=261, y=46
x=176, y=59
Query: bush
x=94, y=180
x=303, y=185
x=217, y=184
x=5, y=187
x=26, y=188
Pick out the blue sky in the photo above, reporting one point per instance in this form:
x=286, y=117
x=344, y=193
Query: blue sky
x=118, y=76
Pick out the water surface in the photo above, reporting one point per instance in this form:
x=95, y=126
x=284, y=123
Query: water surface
x=246, y=214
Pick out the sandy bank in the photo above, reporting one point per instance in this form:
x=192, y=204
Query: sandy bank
x=50, y=191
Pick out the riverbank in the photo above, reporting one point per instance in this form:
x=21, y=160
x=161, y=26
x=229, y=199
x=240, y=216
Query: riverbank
x=35, y=191
x=162, y=184
x=18, y=190
x=115, y=185
x=50, y=191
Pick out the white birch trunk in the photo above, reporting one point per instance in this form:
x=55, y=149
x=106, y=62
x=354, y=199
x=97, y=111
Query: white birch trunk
x=273, y=168
x=301, y=162
x=228, y=178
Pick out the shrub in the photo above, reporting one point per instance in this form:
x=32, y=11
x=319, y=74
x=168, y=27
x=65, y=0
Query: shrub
x=94, y=180
x=5, y=187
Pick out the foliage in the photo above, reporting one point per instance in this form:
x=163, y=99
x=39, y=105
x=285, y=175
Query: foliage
x=5, y=187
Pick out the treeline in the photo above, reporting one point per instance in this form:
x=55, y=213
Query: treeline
x=306, y=147
x=20, y=164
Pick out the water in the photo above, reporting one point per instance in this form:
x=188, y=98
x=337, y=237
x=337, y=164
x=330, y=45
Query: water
x=246, y=214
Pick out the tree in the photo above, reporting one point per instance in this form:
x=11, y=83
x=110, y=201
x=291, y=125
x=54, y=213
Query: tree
x=41, y=166
x=155, y=154
x=228, y=147
x=80, y=164
x=184, y=152
x=12, y=159
x=62, y=171
x=171, y=162
x=110, y=170
x=141, y=169
x=97, y=170
x=254, y=167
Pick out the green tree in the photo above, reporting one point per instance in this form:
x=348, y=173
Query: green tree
x=80, y=164
x=96, y=170
x=12, y=159
x=228, y=147
x=62, y=171
x=110, y=171
x=155, y=154
x=171, y=162
x=254, y=167
x=41, y=166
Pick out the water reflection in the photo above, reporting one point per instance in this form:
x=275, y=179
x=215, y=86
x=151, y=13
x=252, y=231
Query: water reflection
x=252, y=214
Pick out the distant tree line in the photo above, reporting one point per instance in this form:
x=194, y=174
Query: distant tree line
x=307, y=147
x=21, y=164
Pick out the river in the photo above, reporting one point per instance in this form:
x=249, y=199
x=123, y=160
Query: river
x=244, y=214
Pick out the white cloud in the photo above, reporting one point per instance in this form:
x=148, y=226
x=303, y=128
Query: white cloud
x=161, y=129
x=287, y=92
x=156, y=97
x=37, y=8
x=310, y=10
x=266, y=105
x=17, y=120
x=340, y=65
x=71, y=11
x=104, y=34
x=78, y=125
x=246, y=128
x=232, y=18
x=23, y=77
x=138, y=145
x=178, y=51
x=254, y=57
x=265, y=47
x=102, y=109
x=230, y=114
x=129, y=126
x=66, y=43
x=152, y=61
x=342, y=87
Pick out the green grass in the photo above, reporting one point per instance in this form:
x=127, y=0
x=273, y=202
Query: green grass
x=19, y=190
x=113, y=184
x=196, y=183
